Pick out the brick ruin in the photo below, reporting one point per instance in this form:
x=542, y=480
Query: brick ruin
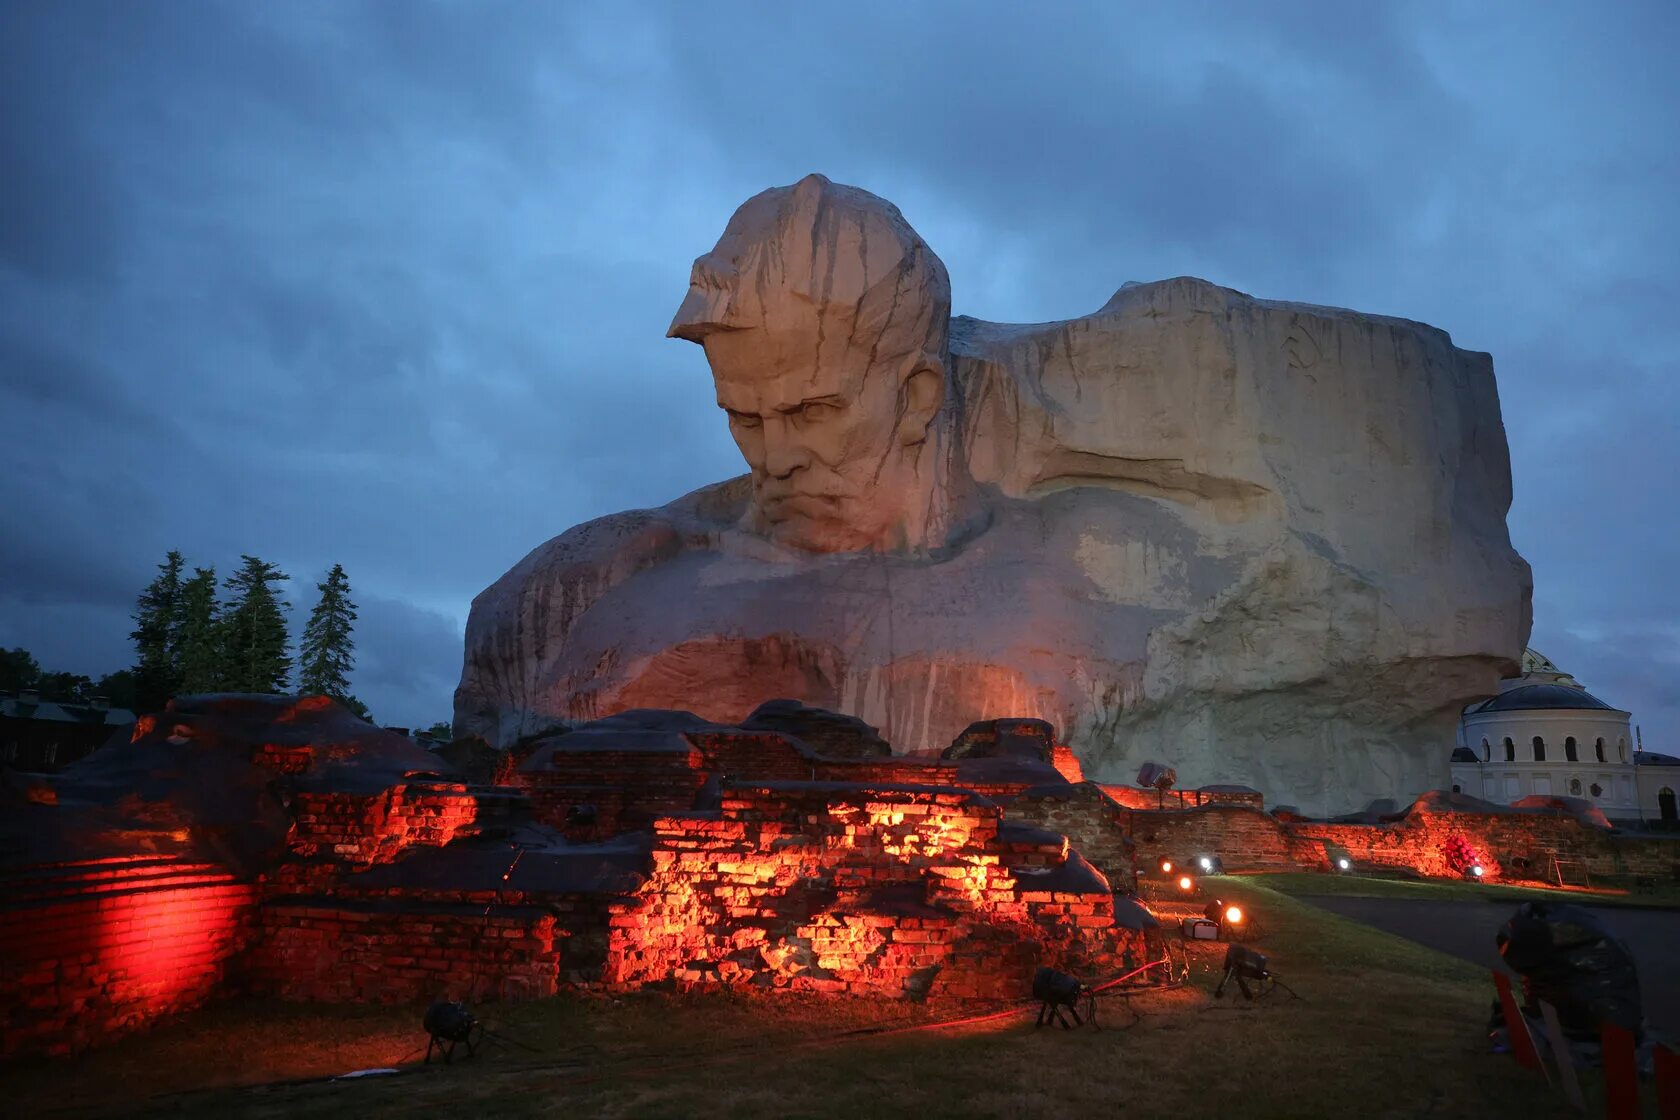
x=281, y=847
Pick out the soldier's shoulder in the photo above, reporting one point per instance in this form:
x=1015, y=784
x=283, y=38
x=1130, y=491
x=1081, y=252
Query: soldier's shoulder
x=608, y=549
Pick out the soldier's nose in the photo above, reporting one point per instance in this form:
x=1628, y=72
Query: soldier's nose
x=782, y=456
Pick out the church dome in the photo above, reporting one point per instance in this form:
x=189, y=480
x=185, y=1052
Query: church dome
x=1531, y=697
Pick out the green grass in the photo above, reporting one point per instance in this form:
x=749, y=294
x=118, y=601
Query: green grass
x=1384, y=1028
x=1361, y=886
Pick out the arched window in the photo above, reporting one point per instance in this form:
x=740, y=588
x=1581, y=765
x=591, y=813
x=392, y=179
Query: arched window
x=1599, y=747
x=1621, y=749
x=1487, y=752
x=1574, y=787
x=1569, y=749
x=1539, y=749
x=1456, y=789
x=1510, y=750
x=1665, y=804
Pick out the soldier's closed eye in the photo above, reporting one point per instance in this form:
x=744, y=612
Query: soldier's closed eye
x=816, y=411
x=745, y=419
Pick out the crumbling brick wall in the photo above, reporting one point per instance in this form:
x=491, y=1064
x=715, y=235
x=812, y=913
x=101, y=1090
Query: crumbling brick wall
x=1514, y=844
x=619, y=790
x=1094, y=825
x=885, y=889
x=90, y=950
x=1244, y=838
x=374, y=828
x=402, y=950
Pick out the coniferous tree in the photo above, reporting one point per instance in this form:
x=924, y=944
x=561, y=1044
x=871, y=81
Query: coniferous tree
x=157, y=617
x=253, y=625
x=199, y=639
x=18, y=670
x=326, y=651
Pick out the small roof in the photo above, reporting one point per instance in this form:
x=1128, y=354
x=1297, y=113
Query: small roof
x=1652, y=758
x=54, y=711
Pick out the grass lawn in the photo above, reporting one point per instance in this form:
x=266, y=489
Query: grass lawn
x=1384, y=1028
x=1361, y=886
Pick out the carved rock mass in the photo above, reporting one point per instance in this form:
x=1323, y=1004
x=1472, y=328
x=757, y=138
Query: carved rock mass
x=1263, y=542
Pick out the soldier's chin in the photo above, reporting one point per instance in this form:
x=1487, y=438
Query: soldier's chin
x=815, y=534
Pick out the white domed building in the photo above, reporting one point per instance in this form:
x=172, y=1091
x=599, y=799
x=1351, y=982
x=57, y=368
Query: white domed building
x=1544, y=735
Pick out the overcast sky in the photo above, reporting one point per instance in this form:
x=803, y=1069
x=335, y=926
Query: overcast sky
x=387, y=284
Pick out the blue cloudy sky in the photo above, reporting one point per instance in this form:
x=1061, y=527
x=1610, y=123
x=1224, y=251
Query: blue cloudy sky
x=386, y=284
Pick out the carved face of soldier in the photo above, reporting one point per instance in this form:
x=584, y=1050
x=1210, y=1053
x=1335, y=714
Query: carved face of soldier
x=825, y=320
x=833, y=445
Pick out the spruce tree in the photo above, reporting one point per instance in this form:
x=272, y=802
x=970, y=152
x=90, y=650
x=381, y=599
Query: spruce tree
x=199, y=638
x=157, y=617
x=326, y=652
x=254, y=629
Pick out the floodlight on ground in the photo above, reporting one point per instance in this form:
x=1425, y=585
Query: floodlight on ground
x=1477, y=870
x=1223, y=916
x=1343, y=864
x=1211, y=865
x=1056, y=993
x=1166, y=867
x=1186, y=884
x=1245, y=966
x=448, y=1023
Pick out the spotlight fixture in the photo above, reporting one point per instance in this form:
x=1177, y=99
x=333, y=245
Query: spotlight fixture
x=448, y=1023
x=1057, y=992
x=1342, y=864
x=1186, y=884
x=1477, y=871
x=1166, y=867
x=1211, y=865
x=1222, y=916
x=1245, y=965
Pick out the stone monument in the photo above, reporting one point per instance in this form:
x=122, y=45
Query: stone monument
x=1262, y=542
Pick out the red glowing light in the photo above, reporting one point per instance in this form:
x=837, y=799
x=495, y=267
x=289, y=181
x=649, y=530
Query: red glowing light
x=1186, y=883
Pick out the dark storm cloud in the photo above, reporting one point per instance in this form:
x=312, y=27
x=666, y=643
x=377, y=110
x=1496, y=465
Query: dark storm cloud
x=387, y=284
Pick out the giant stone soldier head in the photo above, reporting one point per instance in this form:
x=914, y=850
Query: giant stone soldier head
x=825, y=318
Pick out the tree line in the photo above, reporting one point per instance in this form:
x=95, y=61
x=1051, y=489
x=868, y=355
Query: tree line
x=19, y=670
x=189, y=639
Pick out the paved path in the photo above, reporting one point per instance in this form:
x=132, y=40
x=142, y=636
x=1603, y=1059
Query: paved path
x=1467, y=929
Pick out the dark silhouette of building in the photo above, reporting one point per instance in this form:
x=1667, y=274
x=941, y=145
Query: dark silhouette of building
x=44, y=735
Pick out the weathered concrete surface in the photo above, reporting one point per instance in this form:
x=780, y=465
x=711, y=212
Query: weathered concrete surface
x=1262, y=542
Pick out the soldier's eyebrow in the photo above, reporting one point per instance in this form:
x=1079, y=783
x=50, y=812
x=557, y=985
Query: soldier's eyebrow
x=829, y=398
